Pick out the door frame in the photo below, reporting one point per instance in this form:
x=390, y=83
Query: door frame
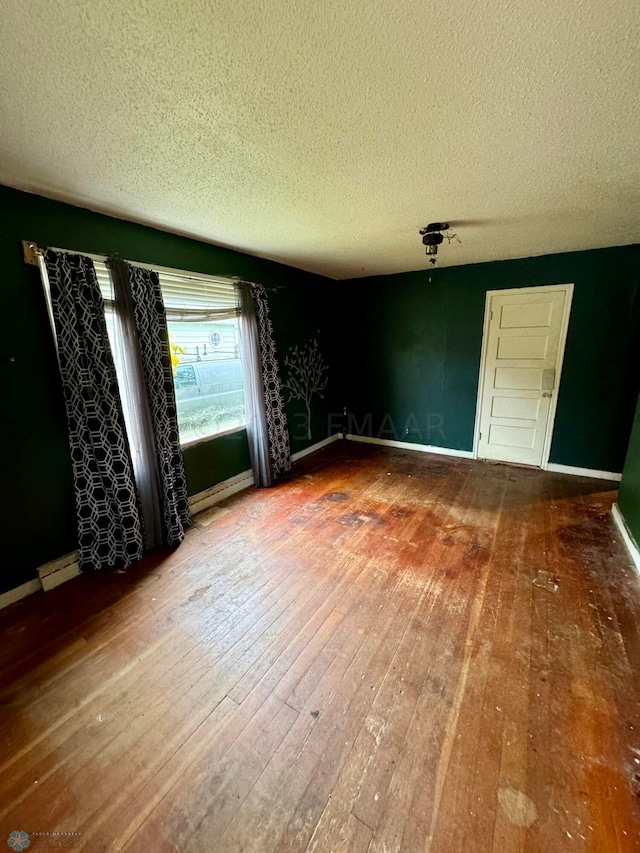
x=564, y=328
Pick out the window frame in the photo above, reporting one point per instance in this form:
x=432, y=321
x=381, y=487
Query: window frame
x=110, y=306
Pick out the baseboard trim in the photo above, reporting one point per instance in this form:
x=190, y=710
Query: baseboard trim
x=584, y=472
x=592, y=473
x=315, y=447
x=18, y=592
x=50, y=575
x=56, y=572
x=210, y=497
x=629, y=541
x=408, y=445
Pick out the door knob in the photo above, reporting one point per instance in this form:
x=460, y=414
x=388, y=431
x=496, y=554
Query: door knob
x=546, y=393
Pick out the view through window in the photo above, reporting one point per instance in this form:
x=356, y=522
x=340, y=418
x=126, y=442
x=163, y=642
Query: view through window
x=204, y=339
x=208, y=378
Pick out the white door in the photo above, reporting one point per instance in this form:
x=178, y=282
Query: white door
x=523, y=348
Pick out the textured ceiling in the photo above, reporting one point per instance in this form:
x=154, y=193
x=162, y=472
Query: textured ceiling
x=324, y=133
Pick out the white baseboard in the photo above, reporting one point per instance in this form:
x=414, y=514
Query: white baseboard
x=56, y=572
x=408, y=445
x=468, y=454
x=18, y=592
x=629, y=541
x=210, y=497
x=52, y=574
x=315, y=447
x=584, y=472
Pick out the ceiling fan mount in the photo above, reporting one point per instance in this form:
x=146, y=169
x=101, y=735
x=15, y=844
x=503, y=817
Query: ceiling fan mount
x=433, y=236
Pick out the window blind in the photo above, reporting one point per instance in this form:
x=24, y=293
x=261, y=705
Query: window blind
x=198, y=300
x=185, y=297
x=104, y=281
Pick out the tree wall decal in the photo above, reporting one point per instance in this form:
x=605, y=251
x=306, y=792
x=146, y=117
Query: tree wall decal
x=307, y=375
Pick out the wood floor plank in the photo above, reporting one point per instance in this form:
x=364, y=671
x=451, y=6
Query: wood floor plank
x=210, y=792
x=350, y=791
x=391, y=651
x=495, y=686
x=413, y=801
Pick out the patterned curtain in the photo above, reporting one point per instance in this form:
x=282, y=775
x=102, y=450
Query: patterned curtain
x=279, y=448
x=109, y=522
x=153, y=338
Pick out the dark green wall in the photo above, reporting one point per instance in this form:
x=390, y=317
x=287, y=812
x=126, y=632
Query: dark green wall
x=300, y=314
x=415, y=352
x=400, y=349
x=211, y=462
x=37, y=510
x=629, y=498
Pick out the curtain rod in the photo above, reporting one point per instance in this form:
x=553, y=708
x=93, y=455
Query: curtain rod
x=32, y=254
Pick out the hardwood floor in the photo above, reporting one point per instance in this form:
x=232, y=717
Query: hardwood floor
x=391, y=652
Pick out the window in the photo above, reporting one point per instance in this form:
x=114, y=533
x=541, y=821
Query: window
x=204, y=337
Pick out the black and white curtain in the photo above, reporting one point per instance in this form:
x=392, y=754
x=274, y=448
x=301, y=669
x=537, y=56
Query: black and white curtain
x=130, y=484
x=110, y=529
x=153, y=340
x=267, y=428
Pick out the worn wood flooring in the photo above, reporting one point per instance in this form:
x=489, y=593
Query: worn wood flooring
x=390, y=652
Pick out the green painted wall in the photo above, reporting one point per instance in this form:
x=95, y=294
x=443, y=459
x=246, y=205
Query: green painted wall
x=629, y=497
x=36, y=493
x=415, y=350
x=211, y=462
x=299, y=315
x=400, y=349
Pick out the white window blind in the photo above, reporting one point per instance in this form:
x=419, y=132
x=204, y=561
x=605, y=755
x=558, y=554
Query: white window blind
x=198, y=300
x=185, y=297
x=104, y=281
x=185, y=292
x=202, y=313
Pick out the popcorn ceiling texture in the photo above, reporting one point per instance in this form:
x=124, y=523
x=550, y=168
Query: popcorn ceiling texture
x=324, y=133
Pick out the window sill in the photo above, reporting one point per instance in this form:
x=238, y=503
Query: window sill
x=213, y=436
